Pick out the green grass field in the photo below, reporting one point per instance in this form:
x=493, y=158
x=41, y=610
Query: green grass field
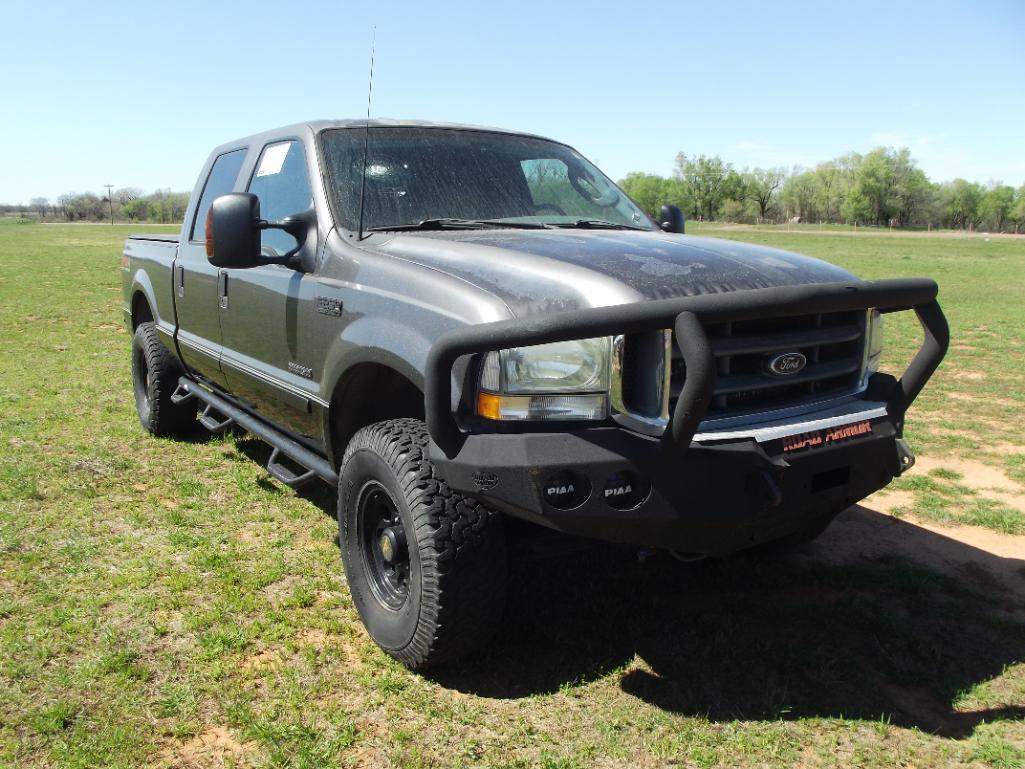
x=165, y=603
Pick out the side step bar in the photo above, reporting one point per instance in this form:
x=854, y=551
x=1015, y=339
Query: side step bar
x=314, y=464
x=210, y=421
x=208, y=417
x=181, y=395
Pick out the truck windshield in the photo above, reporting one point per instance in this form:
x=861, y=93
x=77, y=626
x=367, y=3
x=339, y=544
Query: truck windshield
x=439, y=177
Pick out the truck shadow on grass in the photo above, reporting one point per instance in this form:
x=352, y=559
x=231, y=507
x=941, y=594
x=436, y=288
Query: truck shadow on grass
x=879, y=619
x=864, y=634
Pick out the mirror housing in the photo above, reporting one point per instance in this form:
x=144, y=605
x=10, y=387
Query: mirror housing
x=671, y=219
x=233, y=231
x=233, y=227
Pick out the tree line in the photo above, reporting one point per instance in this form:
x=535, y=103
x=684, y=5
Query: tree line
x=884, y=187
x=128, y=204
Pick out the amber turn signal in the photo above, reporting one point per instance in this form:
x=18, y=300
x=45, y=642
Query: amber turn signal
x=489, y=406
x=210, y=232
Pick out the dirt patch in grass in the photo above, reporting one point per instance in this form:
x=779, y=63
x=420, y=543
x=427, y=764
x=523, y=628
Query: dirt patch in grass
x=992, y=423
x=280, y=591
x=890, y=501
x=1016, y=501
x=973, y=474
x=985, y=490
x=974, y=376
x=264, y=659
x=215, y=747
x=316, y=639
x=319, y=641
x=984, y=558
x=982, y=398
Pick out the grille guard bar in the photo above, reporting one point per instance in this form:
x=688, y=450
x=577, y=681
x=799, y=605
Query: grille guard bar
x=686, y=316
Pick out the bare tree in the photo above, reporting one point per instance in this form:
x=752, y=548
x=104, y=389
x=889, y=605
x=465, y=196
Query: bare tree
x=64, y=204
x=126, y=195
x=41, y=206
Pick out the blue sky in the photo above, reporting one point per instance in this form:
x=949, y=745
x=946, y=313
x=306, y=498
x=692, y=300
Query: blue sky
x=136, y=94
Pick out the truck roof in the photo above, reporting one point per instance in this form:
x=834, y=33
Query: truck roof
x=317, y=126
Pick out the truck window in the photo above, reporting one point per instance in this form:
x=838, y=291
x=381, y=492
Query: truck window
x=283, y=186
x=221, y=181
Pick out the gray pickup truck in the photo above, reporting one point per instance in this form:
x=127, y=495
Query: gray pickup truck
x=456, y=324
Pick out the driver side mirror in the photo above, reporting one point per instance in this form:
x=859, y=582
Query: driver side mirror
x=233, y=231
x=671, y=219
x=233, y=227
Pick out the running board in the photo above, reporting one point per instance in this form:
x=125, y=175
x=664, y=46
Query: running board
x=212, y=423
x=313, y=464
x=181, y=395
x=286, y=475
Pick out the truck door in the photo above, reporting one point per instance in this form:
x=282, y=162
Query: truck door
x=262, y=309
x=196, y=280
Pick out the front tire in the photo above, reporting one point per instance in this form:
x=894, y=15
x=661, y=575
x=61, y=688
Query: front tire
x=155, y=375
x=426, y=566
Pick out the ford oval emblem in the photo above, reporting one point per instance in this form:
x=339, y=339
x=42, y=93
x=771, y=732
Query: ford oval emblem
x=786, y=364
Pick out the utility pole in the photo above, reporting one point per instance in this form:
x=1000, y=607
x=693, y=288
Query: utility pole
x=110, y=200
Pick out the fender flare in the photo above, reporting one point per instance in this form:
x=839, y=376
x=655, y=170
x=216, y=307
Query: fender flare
x=141, y=284
x=375, y=340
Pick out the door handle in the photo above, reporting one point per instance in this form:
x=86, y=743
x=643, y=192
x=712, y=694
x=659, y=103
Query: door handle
x=222, y=289
x=181, y=280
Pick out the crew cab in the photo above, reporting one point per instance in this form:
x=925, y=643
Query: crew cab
x=458, y=325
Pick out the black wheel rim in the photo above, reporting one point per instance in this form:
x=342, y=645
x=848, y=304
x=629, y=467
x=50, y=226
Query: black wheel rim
x=382, y=542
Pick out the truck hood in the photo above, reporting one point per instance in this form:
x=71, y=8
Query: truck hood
x=540, y=271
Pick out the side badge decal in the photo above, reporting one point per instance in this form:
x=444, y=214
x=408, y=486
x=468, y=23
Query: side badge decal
x=300, y=370
x=327, y=305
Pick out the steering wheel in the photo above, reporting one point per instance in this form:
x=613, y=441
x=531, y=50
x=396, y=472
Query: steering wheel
x=539, y=207
x=588, y=190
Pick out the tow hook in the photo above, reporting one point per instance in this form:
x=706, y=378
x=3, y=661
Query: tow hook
x=763, y=490
x=905, y=457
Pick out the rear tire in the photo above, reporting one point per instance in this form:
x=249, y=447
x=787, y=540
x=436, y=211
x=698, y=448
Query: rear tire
x=155, y=375
x=426, y=566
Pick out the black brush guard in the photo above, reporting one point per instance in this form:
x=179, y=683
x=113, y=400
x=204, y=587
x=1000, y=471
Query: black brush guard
x=687, y=317
x=707, y=496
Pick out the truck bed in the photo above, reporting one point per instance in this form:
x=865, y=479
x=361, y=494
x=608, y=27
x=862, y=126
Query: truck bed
x=147, y=261
x=162, y=237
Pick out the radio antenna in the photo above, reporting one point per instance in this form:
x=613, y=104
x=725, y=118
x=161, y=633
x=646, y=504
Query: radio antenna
x=366, y=136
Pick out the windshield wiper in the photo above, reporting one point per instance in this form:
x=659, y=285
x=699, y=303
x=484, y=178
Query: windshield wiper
x=596, y=224
x=445, y=223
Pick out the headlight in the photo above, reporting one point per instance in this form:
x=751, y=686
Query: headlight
x=873, y=343
x=562, y=380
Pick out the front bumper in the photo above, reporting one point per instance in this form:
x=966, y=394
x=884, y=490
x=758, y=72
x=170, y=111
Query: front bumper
x=704, y=493
x=724, y=495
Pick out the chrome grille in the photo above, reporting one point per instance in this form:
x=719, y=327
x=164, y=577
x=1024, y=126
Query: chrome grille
x=832, y=343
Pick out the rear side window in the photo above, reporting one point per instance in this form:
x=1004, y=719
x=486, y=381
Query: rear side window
x=283, y=187
x=221, y=181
